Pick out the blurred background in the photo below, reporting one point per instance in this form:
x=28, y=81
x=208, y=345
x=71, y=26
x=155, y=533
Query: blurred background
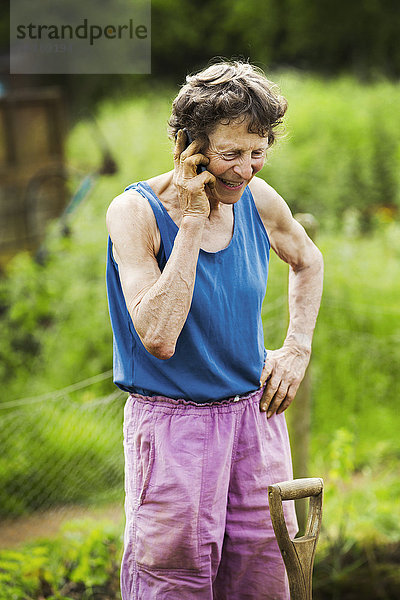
x=68, y=145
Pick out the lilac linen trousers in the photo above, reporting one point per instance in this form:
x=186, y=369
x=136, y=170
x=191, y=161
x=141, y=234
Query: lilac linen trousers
x=197, y=514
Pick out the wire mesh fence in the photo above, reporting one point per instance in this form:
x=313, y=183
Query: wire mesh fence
x=59, y=450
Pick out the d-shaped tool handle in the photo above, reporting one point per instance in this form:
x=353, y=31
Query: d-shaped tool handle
x=298, y=554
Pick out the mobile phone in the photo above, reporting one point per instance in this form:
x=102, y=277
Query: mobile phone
x=189, y=140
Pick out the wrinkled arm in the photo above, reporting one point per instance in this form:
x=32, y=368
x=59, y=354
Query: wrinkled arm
x=284, y=368
x=292, y=245
x=158, y=303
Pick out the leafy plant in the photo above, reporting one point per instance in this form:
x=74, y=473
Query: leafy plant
x=82, y=563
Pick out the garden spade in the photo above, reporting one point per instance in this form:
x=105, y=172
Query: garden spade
x=298, y=554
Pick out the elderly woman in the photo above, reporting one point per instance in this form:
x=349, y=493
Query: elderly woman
x=204, y=429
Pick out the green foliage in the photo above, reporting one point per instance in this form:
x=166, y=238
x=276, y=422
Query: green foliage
x=90, y=552
x=356, y=352
x=341, y=456
x=349, y=570
x=340, y=152
x=356, y=356
x=324, y=36
x=82, y=563
x=39, y=309
x=360, y=38
x=21, y=573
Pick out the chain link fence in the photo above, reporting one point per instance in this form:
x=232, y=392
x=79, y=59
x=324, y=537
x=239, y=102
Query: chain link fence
x=58, y=450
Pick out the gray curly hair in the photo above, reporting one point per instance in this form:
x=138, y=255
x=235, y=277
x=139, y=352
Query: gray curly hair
x=228, y=91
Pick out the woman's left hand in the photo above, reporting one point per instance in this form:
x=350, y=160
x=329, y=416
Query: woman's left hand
x=283, y=371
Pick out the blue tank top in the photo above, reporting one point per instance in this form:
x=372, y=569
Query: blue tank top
x=220, y=351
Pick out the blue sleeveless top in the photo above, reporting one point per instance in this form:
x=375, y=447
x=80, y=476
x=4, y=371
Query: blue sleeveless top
x=220, y=351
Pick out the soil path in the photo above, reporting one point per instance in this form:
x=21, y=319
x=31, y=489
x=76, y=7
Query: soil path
x=48, y=524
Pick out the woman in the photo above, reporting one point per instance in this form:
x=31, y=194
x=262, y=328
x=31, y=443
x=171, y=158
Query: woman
x=204, y=429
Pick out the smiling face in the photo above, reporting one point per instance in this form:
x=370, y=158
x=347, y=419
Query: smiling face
x=235, y=157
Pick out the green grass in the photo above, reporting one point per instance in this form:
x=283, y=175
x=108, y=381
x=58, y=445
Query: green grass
x=356, y=348
x=341, y=152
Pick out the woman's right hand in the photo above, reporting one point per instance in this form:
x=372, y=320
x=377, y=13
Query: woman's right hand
x=191, y=186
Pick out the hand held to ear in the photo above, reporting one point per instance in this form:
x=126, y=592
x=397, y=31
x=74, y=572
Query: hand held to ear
x=191, y=185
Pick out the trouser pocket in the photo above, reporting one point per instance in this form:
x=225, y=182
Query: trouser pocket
x=139, y=454
x=168, y=453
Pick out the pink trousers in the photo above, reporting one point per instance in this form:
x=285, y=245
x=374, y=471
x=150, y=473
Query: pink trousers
x=197, y=516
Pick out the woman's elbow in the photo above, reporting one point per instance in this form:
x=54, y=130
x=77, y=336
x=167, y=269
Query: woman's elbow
x=160, y=350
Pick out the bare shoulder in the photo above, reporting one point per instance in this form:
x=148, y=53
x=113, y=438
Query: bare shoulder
x=126, y=208
x=273, y=210
x=131, y=224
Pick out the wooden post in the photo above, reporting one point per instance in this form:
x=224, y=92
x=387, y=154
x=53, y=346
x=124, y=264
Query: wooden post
x=299, y=413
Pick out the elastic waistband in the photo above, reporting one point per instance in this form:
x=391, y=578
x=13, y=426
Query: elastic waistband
x=224, y=405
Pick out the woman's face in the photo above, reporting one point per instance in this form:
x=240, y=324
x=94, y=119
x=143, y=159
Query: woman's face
x=235, y=157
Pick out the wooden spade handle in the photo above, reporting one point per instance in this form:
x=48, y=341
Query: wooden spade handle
x=300, y=488
x=298, y=554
